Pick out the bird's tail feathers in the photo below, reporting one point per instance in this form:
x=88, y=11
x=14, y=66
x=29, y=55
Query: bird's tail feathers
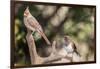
x=45, y=38
x=78, y=53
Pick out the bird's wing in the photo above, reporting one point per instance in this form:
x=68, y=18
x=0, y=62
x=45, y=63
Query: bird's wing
x=27, y=24
x=34, y=23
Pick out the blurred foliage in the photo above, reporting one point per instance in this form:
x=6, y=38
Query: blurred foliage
x=57, y=21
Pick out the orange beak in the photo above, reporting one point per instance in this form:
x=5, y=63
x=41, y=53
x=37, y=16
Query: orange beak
x=25, y=14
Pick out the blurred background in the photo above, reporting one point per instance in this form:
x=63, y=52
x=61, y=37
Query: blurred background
x=78, y=22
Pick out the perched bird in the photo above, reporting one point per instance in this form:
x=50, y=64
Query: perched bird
x=32, y=24
x=70, y=46
x=67, y=49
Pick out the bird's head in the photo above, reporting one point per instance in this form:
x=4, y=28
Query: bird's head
x=69, y=43
x=67, y=40
x=26, y=12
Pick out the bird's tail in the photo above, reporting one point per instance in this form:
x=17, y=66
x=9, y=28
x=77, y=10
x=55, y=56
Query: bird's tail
x=78, y=53
x=45, y=38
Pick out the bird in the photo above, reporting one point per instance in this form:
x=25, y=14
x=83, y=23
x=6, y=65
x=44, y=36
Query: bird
x=70, y=46
x=32, y=24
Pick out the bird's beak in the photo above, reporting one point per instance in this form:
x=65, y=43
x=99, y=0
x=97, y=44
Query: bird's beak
x=25, y=14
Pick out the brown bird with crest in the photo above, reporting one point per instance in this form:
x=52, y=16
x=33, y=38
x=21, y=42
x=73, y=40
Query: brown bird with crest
x=32, y=24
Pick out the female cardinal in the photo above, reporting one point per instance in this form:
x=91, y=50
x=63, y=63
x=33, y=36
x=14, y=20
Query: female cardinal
x=32, y=24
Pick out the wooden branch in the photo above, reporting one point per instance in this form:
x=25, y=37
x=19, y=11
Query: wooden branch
x=31, y=43
x=35, y=58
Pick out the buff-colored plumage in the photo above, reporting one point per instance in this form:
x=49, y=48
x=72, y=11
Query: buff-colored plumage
x=32, y=24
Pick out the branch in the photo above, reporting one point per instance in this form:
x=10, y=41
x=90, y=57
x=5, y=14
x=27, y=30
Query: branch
x=35, y=58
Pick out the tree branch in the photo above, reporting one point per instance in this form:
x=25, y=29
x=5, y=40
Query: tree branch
x=35, y=58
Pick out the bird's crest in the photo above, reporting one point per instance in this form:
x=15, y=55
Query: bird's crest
x=26, y=12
